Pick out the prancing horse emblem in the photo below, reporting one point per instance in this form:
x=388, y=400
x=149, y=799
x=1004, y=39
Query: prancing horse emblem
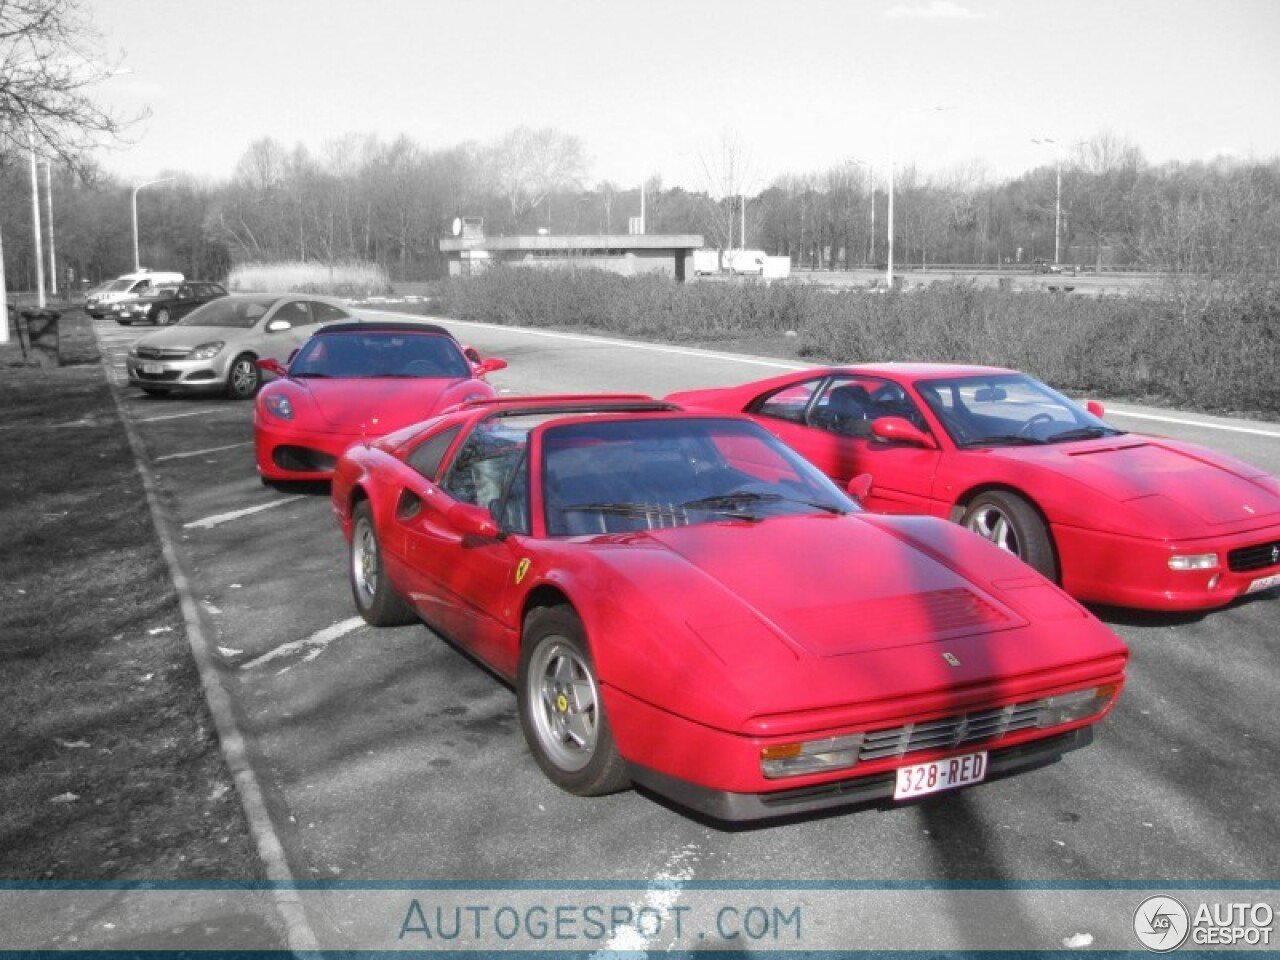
x=952, y=659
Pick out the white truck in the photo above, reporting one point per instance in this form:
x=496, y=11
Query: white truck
x=706, y=262
x=745, y=263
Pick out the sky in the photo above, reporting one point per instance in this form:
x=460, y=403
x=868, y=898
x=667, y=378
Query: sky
x=658, y=87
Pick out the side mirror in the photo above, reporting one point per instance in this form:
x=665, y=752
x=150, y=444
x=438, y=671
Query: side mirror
x=901, y=430
x=860, y=487
x=471, y=353
x=272, y=365
x=1097, y=409
x=489, y=365
x=470, y=520
x=275, y=326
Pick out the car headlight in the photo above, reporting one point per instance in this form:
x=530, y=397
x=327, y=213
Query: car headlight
x=279, y=405
x=1077, y=705
x=1193, y=561
x=207, y=351
x=810, y=756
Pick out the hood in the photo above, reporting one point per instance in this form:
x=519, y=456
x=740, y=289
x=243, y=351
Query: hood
x=1212, y=488
x=833, y=586
x=180, y=337
x=388, y=403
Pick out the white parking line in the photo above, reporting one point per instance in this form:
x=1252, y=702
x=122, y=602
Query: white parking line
x=210, y=522
x=179, y=416
x=1273, y=434
x=201, y=453
x=319, y=640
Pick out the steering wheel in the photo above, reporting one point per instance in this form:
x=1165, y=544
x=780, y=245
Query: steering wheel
x=1025, y=429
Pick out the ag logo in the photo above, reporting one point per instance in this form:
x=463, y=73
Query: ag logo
x=1161, y=924
x=522, y=568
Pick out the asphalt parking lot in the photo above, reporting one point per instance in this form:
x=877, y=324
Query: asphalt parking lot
x=389, y=755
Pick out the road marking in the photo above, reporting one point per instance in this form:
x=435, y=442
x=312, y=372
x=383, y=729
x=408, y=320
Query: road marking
x=319, y=640
x=782, y=365
x=201, y=453
x=1193, y=423
x=660, y=896
x=179, y=416
x=209, y=522
x=634, y=345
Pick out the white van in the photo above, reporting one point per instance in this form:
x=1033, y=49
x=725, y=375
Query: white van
x=128, y=285
x=745, y=262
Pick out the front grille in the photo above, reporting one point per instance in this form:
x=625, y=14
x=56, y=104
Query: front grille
x=1255, y=557
x=302, y=459
x=162, y=353
x=169, y=376
x=950, y=732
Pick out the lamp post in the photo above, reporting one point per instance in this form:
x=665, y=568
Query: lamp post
x=35, y=219
x=893, y=123
x=53, y=260
x=137, y=262
x=1057, y=201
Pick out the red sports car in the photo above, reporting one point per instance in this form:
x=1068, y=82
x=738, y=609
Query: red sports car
x=684, y=602
x=359, y=380
x=1114, y=517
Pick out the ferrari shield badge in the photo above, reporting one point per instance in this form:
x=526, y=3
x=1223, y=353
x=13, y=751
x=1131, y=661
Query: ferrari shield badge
x=521, y=569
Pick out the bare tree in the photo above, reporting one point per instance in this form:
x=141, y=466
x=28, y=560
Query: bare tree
x=726, y=177
x=525, y=165
x=48, y=71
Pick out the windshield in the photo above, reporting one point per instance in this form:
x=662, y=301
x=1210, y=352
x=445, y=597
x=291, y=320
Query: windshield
x=616, y=476
x=1008, y=410
x=120, y=286
x=229, y=312
x=380, y=354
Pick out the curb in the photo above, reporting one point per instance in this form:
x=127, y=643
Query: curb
x=299, y=936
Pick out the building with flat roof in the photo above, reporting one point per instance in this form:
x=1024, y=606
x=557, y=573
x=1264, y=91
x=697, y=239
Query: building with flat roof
x=469, y=251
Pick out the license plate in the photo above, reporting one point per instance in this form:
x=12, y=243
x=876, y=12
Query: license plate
x=922, y=779
x=1264, y=583
x=155, y=369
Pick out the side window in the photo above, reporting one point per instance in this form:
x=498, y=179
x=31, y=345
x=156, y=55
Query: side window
x=513, y=513
x=482, y=470
x=184, y=293
x=328, y=313
x=845, y=407
x=296, y=312
x=426, y=457
x=789, y=403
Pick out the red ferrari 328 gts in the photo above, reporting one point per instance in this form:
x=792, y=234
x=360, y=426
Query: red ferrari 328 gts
x=1114, y=517
x=684, y=602
x=354, y=380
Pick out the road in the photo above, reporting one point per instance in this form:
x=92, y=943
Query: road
x=388, y=755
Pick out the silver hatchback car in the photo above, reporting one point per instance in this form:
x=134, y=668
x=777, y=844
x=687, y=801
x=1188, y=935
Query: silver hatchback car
x=217, y=347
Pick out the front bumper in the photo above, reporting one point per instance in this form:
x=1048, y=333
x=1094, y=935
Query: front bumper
x=188, y=376
x=853, y=793
x=290, y=454
x=1131, y=572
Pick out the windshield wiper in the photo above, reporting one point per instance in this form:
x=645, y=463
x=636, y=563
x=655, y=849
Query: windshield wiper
x=1083, y=433
x=728, y=500
x=1004, y=440
x=308, y=373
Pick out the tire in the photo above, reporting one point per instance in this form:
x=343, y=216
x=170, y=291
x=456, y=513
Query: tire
x=1012, y=524
x=243, y=378
x=162, y=318
x=374, y=597
x=561, y=711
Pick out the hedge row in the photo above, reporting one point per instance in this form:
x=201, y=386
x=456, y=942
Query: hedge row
x=1224, y=355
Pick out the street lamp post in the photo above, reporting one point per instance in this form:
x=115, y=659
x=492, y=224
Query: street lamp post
x=53, y=260
x=893, y=122
x=35, y=219
x=137, y=262
x=1057, y=201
